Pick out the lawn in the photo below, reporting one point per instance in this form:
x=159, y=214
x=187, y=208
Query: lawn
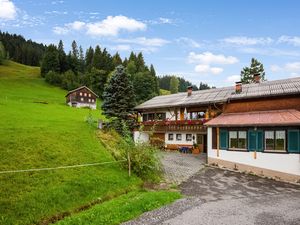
x=38, y=130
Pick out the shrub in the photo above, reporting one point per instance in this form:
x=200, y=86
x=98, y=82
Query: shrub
x=53, y=78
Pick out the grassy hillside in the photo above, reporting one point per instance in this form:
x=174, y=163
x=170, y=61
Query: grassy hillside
x=38, y=130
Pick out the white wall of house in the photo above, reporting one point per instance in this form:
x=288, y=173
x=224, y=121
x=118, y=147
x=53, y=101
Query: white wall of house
x=286, y=163
x=183, y=138
x=140, y=137
x=80, y=105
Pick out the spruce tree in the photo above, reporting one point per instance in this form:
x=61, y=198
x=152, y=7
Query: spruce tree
x=97, y=57
x=156, y=82
x=248, y=72
x=118, y=96
x=89, y=58
x=62, y=57
x=174, y=82
x=50, y=61
x=2, y=53
x=116, y=60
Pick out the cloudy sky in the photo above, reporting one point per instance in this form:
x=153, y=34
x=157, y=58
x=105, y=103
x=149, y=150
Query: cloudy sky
x=208, y=41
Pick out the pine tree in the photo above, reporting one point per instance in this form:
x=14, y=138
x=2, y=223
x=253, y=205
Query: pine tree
x=140, y=62
x=118, y=96
x=62, y=57
x=81, y=60
x=248, y=72
x=89, y=58
x=97, y=57
x=156, y=82
x=50, y=61
x=174, y=82
x=116, y=60
x=203, y=86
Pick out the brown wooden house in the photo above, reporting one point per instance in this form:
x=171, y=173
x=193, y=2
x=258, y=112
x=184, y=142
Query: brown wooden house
x=82, y=97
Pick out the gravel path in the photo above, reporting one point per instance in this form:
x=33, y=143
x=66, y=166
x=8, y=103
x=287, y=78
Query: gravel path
x=215, y=196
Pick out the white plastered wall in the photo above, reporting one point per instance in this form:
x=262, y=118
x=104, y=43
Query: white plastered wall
x=286, y=163
x=183, y=138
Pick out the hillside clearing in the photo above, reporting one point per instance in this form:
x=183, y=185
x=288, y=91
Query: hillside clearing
x=38, y=130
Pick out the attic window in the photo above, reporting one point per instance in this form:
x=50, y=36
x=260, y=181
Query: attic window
x=85, y=94
x=90, y=95
x=80, y=93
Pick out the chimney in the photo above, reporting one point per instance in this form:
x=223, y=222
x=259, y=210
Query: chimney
x=189, y=90
x=256, y=77
x=238, y=87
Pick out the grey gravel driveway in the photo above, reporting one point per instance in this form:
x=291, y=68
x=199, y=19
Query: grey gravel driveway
x=215, y=196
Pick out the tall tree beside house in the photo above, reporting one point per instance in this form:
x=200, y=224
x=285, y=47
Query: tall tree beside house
x=81, y=60
x=50, y=60
x=118, y=96
x=97, y=57
x=248, y=72
x=145, y=86
x=174, y=82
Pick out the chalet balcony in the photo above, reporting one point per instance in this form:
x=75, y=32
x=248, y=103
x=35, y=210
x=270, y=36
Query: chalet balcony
x=175, y=125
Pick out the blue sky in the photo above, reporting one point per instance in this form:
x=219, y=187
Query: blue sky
x=208, y=41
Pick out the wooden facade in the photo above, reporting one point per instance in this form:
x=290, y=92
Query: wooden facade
x=81, y=97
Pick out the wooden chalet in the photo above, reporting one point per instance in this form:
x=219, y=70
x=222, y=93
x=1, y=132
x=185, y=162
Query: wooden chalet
x=253, y=127
x=82, y=97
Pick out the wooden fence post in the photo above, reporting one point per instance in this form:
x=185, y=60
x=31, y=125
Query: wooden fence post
x=129, y=164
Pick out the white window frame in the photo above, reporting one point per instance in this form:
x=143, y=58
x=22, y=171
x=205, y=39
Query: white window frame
x=274, y=138
x=169, y=135
x=82, y=99
x=190, y=139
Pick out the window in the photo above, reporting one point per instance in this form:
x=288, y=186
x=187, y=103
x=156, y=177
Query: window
x=93, y=100
x=275, y=140
x=85, y=94
x=89, y=100
x=178, y=137
x=81, y=99
x=237, y=139
x=80, y=93
x=90, y=95
x=188, y=137
x=171, y=137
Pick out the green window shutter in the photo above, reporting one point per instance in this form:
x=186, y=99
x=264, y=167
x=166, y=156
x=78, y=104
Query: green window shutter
x=293, y=141
x=223, y=139
x=252, y=140
x=260, y=140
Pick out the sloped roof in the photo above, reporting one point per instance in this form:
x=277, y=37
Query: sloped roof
x=218, y=95
x=261, y=118
x=79, y=88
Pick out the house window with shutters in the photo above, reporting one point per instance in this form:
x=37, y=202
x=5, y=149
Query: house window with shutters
x=237, y=140
x=275, y=140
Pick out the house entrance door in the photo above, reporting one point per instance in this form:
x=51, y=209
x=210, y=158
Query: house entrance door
x=202, y=142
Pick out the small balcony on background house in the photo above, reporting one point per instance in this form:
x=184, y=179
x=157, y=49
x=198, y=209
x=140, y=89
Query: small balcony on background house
x=182, y=121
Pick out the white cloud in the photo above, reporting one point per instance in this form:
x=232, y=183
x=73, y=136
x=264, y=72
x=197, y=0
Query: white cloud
x=121, y=48
x=275, y=68
x=55, y=12
x=112, y=25
x=60, y=30
x=8, y=10
x=210, y=58
x=76, y=25
x=155, y=42
x=289, y=40
x=165, y=20
x=57, y=2
x=188, y=42
x=292, y=68
x=243, y=40
x=233, y=78
x=207, y=69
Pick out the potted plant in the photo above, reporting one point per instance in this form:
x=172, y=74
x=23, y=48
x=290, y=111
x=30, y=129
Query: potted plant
x=196, y=149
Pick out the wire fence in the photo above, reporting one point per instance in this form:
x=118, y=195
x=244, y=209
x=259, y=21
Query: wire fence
x=61, y=167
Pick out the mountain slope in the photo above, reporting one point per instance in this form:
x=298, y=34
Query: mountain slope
x=38, y=130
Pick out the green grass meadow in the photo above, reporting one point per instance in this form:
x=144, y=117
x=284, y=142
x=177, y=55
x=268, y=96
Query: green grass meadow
x=38, y=130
